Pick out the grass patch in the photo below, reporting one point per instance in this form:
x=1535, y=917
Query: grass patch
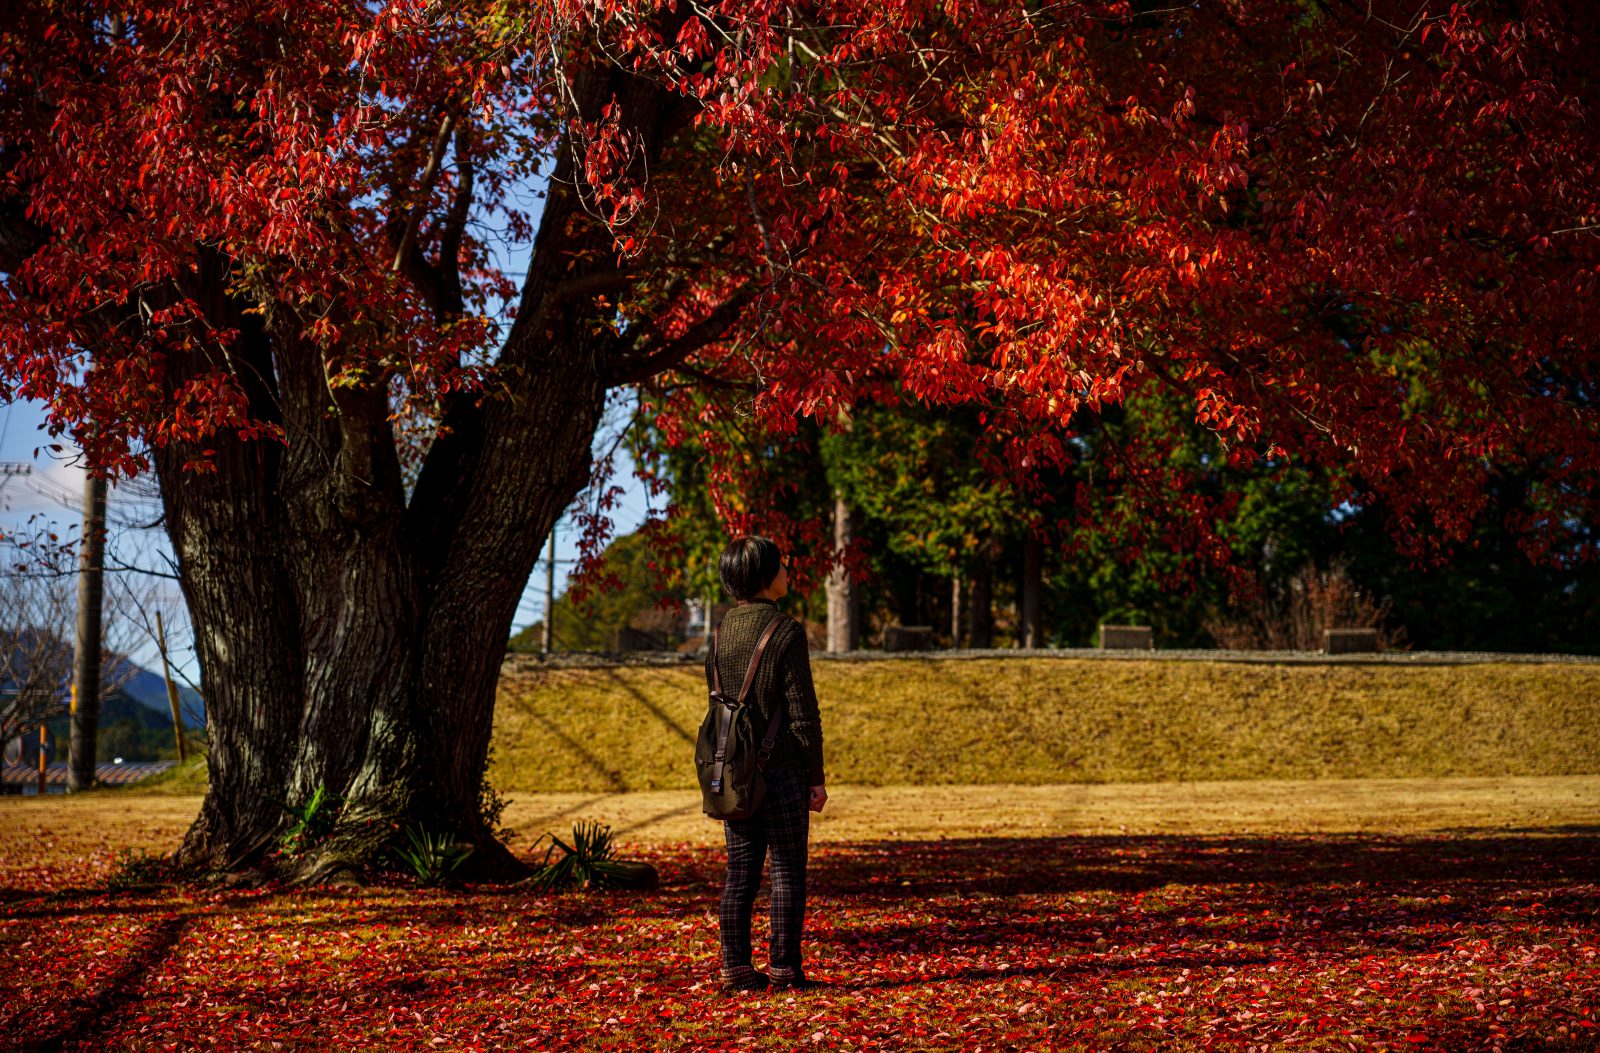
x=180, y=780
x=1040, y=721
x=1259, y=806
x=911, y=721
x=87, y=834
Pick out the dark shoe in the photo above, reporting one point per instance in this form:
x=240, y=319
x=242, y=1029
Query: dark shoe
x=753, y=982
x=796, y=983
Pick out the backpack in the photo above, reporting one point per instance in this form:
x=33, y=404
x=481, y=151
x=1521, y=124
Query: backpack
x=727, y=758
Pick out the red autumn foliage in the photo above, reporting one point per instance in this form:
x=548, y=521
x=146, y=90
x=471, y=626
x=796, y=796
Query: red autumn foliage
x=1361, y=237
x=1350, y=233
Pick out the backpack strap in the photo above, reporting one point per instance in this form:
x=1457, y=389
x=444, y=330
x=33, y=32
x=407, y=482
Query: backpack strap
x=725, y=716
x=769, y=740
x=716, y=677
x=755, y=658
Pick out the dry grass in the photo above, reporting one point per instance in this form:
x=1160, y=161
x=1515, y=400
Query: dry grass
x=910, y=721
x=870, y=813
x=181, y=780
x=87, y=832
x=92, y=828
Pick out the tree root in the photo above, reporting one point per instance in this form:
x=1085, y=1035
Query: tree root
x=355, y=856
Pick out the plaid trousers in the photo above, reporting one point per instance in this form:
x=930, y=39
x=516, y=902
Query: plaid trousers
x=781, y=826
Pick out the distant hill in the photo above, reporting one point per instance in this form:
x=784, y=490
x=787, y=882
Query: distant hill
x=146, y=688
x=149, y=690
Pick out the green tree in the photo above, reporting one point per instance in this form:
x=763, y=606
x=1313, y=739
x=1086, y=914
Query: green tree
x=634, y=594
x=772, y=484
x=933, y=500
x=922, y=476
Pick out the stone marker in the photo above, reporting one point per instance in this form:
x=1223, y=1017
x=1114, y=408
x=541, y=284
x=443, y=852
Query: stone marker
x=908, y=638
x=1349, y=641
x=1127, y=638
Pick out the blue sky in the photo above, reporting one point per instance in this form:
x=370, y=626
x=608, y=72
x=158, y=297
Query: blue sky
x=52, y=493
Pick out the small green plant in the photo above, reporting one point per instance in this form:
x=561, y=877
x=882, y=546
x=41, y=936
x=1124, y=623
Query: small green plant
x=313, y=820
x=587, y=862
x=132, y=868
x=491, y=803
x=432, y=857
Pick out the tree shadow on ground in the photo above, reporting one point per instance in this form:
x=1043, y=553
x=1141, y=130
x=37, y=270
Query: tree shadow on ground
x=92, y=1013
x=1128, y=863
x=620, y=683
x=890, y=917
x=610, y=775
x=1342, y=895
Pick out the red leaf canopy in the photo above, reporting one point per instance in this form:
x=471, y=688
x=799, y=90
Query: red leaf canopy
x=1347, y=233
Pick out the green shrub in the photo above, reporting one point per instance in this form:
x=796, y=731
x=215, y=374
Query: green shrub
x=432, y=857
x=586, y=863
x=313, y=821
x=491, y=803
x=137, y=867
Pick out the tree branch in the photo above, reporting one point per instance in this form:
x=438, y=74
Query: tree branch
x=455, y=223
x=634, y=368
x=430, y=173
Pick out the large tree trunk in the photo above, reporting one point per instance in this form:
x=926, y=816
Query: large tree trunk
x=350, y=636
x=980, y=613
x=352, y=640
x=1031, y=631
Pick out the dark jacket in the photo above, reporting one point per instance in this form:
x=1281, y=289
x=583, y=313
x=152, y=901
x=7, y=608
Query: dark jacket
x=784, y=678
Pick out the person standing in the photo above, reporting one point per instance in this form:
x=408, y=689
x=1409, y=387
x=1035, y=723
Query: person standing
x=753, y=573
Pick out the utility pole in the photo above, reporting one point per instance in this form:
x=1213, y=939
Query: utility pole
x=549, y=595
x=172, y=689
x=844, y=599
x=86, y=672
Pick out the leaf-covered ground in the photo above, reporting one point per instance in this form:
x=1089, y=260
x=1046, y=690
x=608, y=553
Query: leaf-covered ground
x=1145, y=942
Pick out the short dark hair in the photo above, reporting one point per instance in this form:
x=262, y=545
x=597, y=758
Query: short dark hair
x=748, y=565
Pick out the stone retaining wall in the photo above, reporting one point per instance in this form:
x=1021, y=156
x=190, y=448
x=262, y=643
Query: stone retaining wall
x=599, y=659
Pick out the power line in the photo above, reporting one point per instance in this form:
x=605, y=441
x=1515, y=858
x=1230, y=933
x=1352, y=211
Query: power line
x=8, y=469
